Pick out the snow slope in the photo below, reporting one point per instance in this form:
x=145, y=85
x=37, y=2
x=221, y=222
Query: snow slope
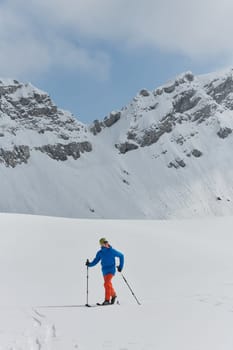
x=166, y=155
x=181, y=271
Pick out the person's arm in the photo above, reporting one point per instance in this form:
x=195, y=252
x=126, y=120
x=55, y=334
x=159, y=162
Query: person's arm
x=121, y=258
x=95, y=260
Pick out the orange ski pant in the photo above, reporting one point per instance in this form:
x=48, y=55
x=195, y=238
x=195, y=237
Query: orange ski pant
x=109, y=290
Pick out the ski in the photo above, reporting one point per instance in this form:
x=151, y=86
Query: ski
x=64, y=306
x=72, y=306
x=100, y=304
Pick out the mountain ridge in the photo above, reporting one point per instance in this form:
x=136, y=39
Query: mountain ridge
x=167, y=154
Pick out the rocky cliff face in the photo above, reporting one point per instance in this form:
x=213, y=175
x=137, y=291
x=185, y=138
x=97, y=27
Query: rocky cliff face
x=167, y=154
x=30, y=121
x=187, y=100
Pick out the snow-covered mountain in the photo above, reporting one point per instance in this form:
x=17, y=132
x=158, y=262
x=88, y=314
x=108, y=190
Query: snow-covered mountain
x=167, y=154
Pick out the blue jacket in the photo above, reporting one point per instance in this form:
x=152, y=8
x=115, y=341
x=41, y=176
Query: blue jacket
x=107, y=257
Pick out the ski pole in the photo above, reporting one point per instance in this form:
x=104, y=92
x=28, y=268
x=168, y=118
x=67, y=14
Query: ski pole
x=130, y=288
x=87, y=287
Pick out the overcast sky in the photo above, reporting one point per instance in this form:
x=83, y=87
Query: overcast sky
x=93, y=56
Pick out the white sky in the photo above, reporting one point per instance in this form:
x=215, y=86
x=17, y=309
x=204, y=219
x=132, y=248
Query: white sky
x=83, y=36
x=29, y=29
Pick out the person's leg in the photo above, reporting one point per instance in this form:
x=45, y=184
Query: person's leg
x=109, y=290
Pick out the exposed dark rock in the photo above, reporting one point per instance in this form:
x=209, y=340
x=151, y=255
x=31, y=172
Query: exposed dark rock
x=196, y=153
x=177, y=164
x=189, y=76
x=170, y=88
x=8, y=89
x=228, y=102
x=64, y=137
x=180, y=140
x=173, y=165
x=47, y=111
x=126, y=182
x=186, y=101
x=26, y=108
x=153, y=134
x=24, y=101
x=108, y=121
x=41, y=98
x=96, y=127
x=204, y=113
x=63, y=151
x=112, y=119
x=158, y=92
x=126, y=147
x=181, y=163
x=144, y=93
x=224, y=132
x=131, y=134
x=18, y=155
x=184, y=78
x=152, y=107
x=150, y=136
x=221, y=91
x=33, y=110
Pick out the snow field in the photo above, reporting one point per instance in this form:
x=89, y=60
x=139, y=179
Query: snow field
x=181, y=271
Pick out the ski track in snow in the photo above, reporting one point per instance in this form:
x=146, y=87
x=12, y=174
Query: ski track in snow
x=44, y=335
x=41, y=332
x=223, y=302
x=180, y=271
x=38, y=333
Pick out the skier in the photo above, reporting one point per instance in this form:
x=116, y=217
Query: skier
x=107, y=257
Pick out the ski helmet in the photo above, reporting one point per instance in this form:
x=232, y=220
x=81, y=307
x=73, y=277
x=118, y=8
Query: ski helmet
x=103, y=240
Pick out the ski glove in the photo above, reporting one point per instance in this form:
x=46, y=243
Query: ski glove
x=119, y=269
x=87, y=262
